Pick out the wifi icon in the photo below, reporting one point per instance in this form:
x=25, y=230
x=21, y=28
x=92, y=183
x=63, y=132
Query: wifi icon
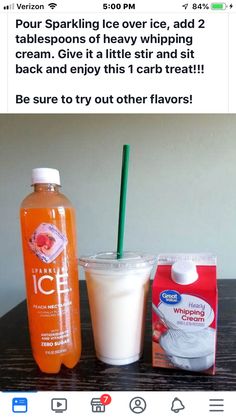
x=52, y=5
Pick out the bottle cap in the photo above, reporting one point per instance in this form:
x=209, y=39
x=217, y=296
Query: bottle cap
x=45, y=175
x=184, y=272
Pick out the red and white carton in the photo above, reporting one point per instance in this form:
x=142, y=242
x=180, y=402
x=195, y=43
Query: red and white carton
x=184, y=307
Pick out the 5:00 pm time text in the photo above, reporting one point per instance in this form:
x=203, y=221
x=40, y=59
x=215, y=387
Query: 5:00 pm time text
x=118, y=6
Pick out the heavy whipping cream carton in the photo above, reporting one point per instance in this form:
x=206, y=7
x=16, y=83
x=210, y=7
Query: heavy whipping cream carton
x=184, y=307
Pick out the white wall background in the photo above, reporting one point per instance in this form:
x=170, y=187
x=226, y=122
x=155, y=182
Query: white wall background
x=182, y=184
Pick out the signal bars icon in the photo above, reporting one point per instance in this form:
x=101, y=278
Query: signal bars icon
x=9, y=7
x=52, y=5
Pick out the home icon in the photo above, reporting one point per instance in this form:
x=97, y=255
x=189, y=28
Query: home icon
x=97, y=406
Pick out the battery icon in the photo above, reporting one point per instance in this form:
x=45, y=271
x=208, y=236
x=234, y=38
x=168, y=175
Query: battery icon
x=218, y=6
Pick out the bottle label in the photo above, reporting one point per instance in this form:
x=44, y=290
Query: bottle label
x=47, y=242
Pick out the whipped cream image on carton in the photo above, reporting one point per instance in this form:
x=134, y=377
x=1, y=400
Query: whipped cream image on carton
x=184, y=312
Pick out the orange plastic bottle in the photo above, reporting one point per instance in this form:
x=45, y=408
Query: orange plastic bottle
x=51, y=273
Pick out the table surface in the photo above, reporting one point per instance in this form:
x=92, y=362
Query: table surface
x=18, y=370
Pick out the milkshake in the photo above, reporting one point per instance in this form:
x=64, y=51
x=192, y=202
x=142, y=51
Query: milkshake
x=117, y=291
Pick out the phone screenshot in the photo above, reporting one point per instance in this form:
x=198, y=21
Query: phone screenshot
x=117, y=168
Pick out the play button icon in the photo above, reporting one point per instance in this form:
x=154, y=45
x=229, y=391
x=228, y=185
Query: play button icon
x=59, y=405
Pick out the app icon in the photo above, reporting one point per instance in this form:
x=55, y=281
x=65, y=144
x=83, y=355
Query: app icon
x=19, y=405
x=97, y=405
x=177, y=405
x=59, y=405
x=216, y=405
x=137, y=405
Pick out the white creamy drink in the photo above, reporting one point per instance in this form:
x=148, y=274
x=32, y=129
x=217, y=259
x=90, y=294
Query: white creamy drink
x=117, y=290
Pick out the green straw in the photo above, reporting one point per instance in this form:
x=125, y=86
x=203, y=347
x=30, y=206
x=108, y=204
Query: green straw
x=123, y=193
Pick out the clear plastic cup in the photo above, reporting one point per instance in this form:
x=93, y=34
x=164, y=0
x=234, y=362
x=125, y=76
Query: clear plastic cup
x=117, y=292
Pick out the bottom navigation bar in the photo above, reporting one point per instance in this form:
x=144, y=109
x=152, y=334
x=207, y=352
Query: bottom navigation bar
x=107, y=404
